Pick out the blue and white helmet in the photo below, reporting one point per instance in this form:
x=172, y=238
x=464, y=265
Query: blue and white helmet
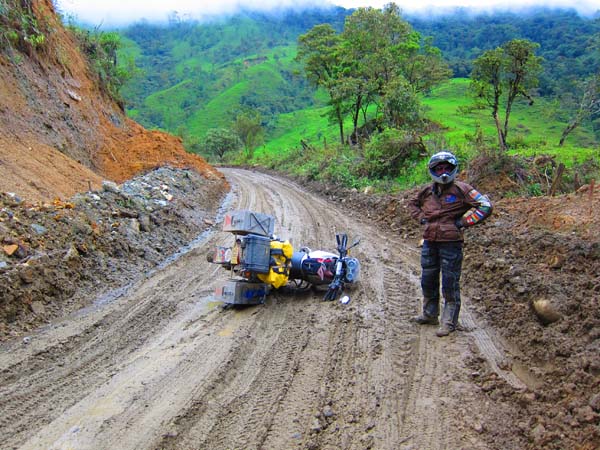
x=447, y=176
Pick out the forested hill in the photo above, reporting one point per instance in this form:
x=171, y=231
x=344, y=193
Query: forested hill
x=566, y=40
x=246, y=59
x=193, y=77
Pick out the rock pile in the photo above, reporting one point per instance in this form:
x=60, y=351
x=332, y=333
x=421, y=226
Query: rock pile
x=57, y=257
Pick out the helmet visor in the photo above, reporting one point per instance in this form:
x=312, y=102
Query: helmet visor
x=442, y=167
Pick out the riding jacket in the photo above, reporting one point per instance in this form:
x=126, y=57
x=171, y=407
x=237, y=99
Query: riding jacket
x=442, y=208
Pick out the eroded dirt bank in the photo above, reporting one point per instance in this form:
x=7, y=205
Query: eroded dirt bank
x=60, y=131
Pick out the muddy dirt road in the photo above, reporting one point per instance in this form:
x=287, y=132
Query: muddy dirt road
x=163, y=366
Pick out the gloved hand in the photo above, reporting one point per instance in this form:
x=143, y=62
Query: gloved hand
x=459, y=223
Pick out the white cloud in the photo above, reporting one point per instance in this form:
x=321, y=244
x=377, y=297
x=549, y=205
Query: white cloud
x=119, y=12
x=583, y=6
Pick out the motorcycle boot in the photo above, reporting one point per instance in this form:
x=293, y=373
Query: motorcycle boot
x=449, y=317
x=423, y=319
x=431, y=310
x=444, y=330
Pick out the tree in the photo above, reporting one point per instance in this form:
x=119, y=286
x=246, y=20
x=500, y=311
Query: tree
x=249, y=129
x=511, y=70
x=487, y=84
x=589, y=106
x=374, y=47
x=522, y=69
x=319, y=51
x=219, y=141
x=427, y=68
x=377, y=53
x=401, y=104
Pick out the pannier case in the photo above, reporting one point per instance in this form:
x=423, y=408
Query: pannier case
x=246, y=222
x=256, y=253
x=241, y=292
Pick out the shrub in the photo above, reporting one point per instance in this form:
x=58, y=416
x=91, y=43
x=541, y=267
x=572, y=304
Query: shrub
x=101, y=51
x=219, y=141
x=388, y=152
x=19, y=28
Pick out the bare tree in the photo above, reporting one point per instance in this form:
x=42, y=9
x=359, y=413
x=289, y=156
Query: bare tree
x=589, y=106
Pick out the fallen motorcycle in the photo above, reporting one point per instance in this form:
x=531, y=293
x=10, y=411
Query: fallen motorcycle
x=259, y=262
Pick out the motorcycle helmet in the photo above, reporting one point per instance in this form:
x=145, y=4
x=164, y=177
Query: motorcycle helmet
x=443, y=167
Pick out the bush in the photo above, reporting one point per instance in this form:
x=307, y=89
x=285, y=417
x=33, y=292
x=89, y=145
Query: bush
x=219, y=141
x=19, y=28
x=338, y=165
x=101, y=51
x=389, y=152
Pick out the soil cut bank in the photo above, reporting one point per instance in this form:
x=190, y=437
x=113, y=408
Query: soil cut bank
x=60, y=132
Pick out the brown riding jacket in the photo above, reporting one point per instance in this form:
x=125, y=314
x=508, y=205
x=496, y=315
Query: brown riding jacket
x=442, y=205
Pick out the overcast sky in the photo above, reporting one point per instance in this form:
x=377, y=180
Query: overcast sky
x=118, y=12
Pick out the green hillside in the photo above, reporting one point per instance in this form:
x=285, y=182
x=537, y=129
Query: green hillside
x=193, y=77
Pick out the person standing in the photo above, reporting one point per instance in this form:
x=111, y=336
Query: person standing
x=445, y=208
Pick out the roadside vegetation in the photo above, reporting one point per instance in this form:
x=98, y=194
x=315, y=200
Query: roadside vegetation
x=101, y=50
x=20, y=29
x=24, y=31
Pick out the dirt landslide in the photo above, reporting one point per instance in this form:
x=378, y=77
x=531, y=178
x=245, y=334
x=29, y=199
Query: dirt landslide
x=158, y=364
x=60, y=131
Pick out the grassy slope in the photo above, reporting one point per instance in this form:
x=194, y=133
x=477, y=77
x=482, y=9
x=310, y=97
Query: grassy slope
x=220, y=111
x=213, y=67
x=229, y=86
x=170, y=102
x=308, y=125
x=532, y=129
